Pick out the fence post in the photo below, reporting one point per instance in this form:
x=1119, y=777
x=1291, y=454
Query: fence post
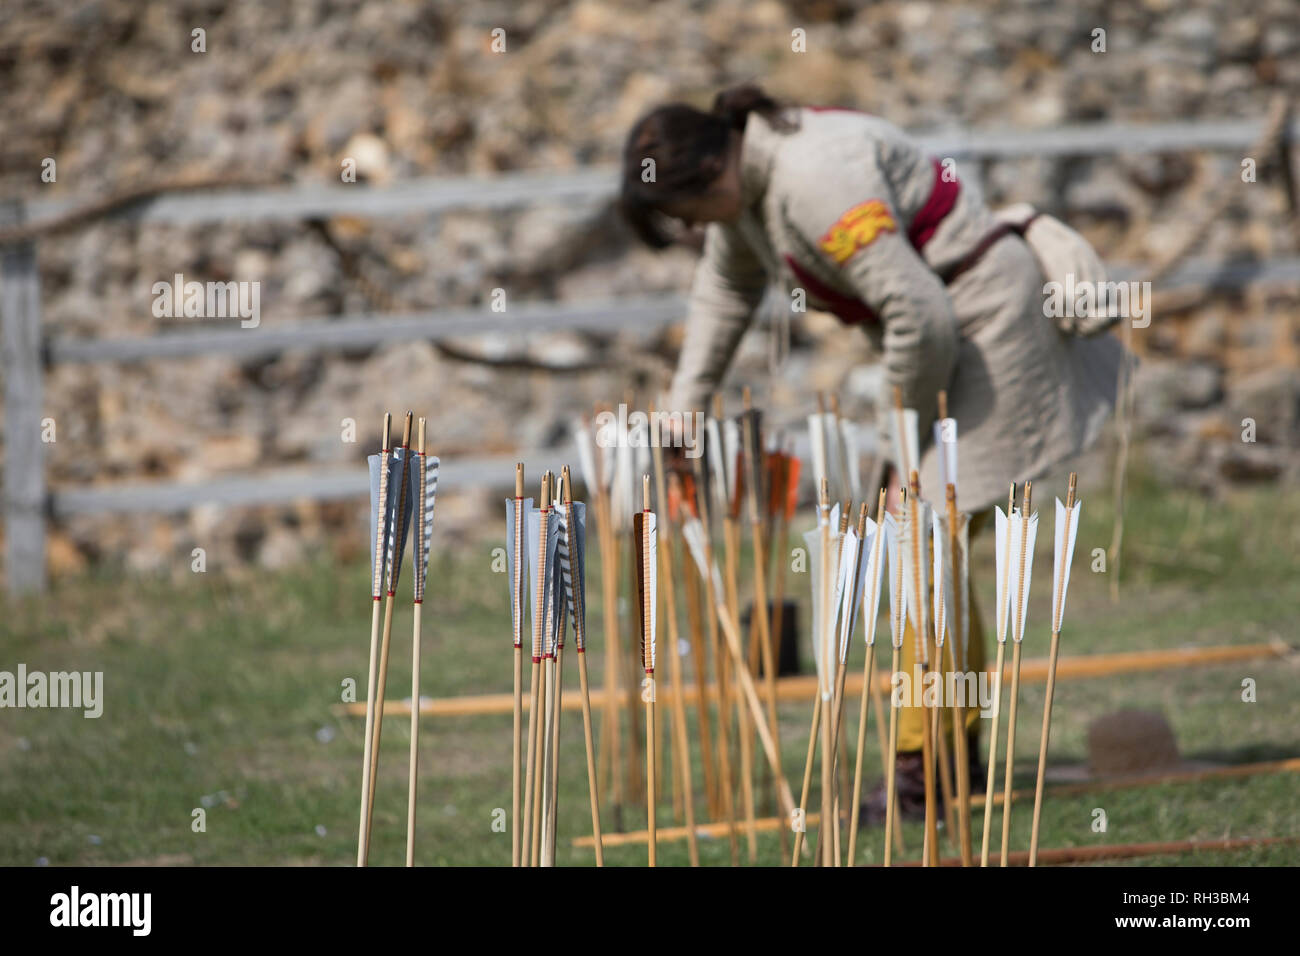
x=22, y=368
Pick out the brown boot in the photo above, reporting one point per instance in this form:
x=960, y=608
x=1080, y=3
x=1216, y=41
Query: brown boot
x=909, y=780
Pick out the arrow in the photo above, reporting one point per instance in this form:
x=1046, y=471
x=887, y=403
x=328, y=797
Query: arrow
x=1067, y=529
x=573, y=560
x=1024, y=529
x=872, y=583
x=1002, y=545
x=380, y=527
x=425, y=487
x=400, y=507
x=897, y=629
x=517, y=509
x=643, y=529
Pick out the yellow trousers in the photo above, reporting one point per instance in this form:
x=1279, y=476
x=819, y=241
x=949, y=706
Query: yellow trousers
x=911, y=718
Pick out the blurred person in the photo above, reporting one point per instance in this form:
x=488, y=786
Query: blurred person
x=846, y=207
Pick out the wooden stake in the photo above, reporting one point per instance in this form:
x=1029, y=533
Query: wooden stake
x=1051, y=674
x=376, y=591
x=1015, y=677
x=997, y=685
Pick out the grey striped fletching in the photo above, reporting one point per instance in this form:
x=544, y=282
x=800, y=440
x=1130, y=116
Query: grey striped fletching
x=398, y=478
x=382, y=539
x=378, y=530
x=517, y=561
x=426, y=468
x=542, y=629
x=573, y=564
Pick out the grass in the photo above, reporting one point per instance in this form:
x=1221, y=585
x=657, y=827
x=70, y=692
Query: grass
x=221, y=693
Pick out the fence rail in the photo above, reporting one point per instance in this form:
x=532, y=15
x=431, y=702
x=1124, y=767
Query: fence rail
x=24, y=354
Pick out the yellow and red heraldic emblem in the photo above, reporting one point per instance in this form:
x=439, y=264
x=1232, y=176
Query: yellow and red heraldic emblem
x=857, y=229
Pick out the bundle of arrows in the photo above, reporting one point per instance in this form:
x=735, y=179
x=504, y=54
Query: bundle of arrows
x=688, y=534
x=403, y=484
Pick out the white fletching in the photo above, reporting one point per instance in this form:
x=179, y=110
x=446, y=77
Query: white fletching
x=906, y=444
x=895, y=579
x=1024, y=532
x=938, y=545
x=1067, y=529
x=1002, y=526
x=945, y=443
x=873, y=578
x=586, y=457
x=817, y=443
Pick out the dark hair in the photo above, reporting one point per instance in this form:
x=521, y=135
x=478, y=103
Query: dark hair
x=688, y=147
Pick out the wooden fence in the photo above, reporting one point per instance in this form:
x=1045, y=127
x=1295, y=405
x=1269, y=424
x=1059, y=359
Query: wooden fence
x=25, y=353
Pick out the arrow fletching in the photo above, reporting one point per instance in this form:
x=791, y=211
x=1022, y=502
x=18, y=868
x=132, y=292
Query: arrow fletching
x=1002, y=544
x=873, y=576
x=897, y=582
x=517, y=512
x=381, y=517
x=1067, y=529
x=945, y=443
x=942, y=583
x=643, y=525
x=401, y=505
x=906, y=441
x=1024, y=532
x=426, y=468
x=573, y=564
x=912, y=540
x=853, y=571
x=586, y=455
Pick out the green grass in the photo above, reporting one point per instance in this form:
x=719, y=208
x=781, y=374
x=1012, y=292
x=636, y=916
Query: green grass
x=223, y=692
